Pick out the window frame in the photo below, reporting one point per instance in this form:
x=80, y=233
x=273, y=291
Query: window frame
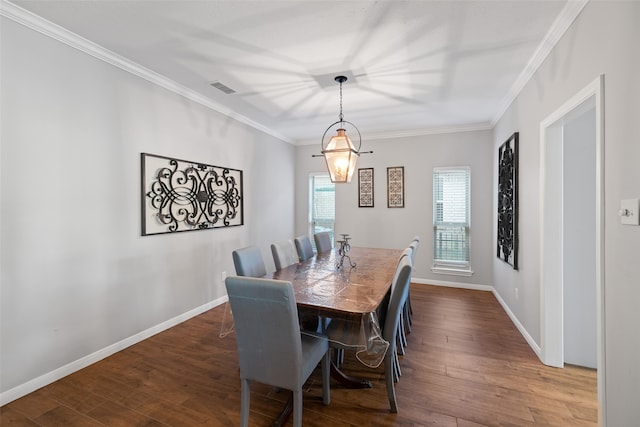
x=444, y=266
x=312, y=219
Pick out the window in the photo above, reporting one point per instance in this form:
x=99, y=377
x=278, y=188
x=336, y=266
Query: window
x=451, y=220
x=322, y=205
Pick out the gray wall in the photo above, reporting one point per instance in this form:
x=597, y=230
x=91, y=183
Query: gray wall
x=77, y=277
x=602, y=40
x=579, y=249
x=381, y=226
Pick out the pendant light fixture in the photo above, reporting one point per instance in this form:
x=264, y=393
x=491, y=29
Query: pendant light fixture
x=339, y=152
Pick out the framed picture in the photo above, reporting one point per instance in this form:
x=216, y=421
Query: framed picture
x=365, y=188
x=507, y=245
x=395, y=187
x=179, y=195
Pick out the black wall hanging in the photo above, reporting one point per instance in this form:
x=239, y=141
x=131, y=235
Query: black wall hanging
x=508, y=201
x=179, y=195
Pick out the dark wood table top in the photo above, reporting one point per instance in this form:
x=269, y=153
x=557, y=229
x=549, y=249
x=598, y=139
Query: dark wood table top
x=349, y=291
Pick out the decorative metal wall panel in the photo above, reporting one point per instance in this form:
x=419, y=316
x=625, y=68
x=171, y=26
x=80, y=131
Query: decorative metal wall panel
x=179, y=195
x=507, y=249
x=395, y=187
x=365, y=188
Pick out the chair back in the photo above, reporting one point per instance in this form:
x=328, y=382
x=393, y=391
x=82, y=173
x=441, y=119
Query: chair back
x=267, y=331
x=284, y=254
x=407, y=252
x=248, y=262
x=414, y=246
x=304, y=248
x=399, y=295
x=323, y=241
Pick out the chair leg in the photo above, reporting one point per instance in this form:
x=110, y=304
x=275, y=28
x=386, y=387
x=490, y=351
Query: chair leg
x=338, y=356
x=397, y=372
x=388, y=373
x=326, y=379
x=406, y=312
x=297, y=408
x=402, y=339
x=245, y=396
x=404, y=326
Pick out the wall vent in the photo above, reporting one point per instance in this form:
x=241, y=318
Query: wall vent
x=222, y=87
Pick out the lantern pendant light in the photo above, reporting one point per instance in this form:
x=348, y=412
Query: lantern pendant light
x=339, y=152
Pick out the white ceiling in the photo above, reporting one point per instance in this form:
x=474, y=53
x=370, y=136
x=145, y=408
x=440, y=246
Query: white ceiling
x=413, y=66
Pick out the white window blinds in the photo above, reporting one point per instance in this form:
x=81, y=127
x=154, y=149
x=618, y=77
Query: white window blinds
x=451, y=217
x=322, y=206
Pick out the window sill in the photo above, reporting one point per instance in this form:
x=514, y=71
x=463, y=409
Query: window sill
x=452, y=271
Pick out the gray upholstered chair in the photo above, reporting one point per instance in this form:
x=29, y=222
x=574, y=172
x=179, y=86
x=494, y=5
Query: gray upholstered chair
x=402, y=326
x=323, y=241
x=407, y=310
x=393, y=313
x=248, y=262
x=271, y=349
x=284, y=254
x=414, y=246
x=399, y=296
x=304, y=248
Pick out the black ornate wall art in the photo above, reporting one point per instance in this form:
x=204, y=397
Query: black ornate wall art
x=508, y=201
x=365, y=188
x=178, y=195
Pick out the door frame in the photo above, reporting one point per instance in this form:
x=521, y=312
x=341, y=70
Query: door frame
x=551, y=287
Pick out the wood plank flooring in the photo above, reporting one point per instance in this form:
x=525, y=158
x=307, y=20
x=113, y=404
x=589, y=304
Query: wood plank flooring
x=466, y=365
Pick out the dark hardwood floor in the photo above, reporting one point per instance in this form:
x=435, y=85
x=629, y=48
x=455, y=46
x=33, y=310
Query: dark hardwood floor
x=466, y=365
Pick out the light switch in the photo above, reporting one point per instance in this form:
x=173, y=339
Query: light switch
x=630, y=212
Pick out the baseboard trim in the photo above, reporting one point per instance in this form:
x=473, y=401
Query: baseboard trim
x=50, y=377
x=532, y=343
x=447, y=284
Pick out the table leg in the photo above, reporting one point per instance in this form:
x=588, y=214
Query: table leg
x=284, y=415
x=347, y=380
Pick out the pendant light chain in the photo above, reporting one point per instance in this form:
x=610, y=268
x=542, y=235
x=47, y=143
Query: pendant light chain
x=339, y=151
x=341, y=116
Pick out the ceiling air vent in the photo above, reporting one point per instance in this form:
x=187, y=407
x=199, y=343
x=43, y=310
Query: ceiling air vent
x=221, y=87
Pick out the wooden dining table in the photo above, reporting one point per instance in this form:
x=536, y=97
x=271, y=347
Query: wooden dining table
x=346, y=292
x=328, y=288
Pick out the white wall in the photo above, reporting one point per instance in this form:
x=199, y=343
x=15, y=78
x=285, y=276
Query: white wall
x=381, y=226
x=602, y=40
x=77, y=277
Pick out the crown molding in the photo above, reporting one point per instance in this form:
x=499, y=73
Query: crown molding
x=470, y=127
x=49, y=29
x=562, y=23
x=569, y=13
x=374, y=136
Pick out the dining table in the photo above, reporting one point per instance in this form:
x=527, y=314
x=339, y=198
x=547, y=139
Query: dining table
x=326, y=287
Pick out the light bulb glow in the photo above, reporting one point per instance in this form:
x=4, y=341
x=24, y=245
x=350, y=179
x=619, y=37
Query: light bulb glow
x=341, y=156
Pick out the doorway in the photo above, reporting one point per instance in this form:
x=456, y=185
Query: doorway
x=571, y=249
